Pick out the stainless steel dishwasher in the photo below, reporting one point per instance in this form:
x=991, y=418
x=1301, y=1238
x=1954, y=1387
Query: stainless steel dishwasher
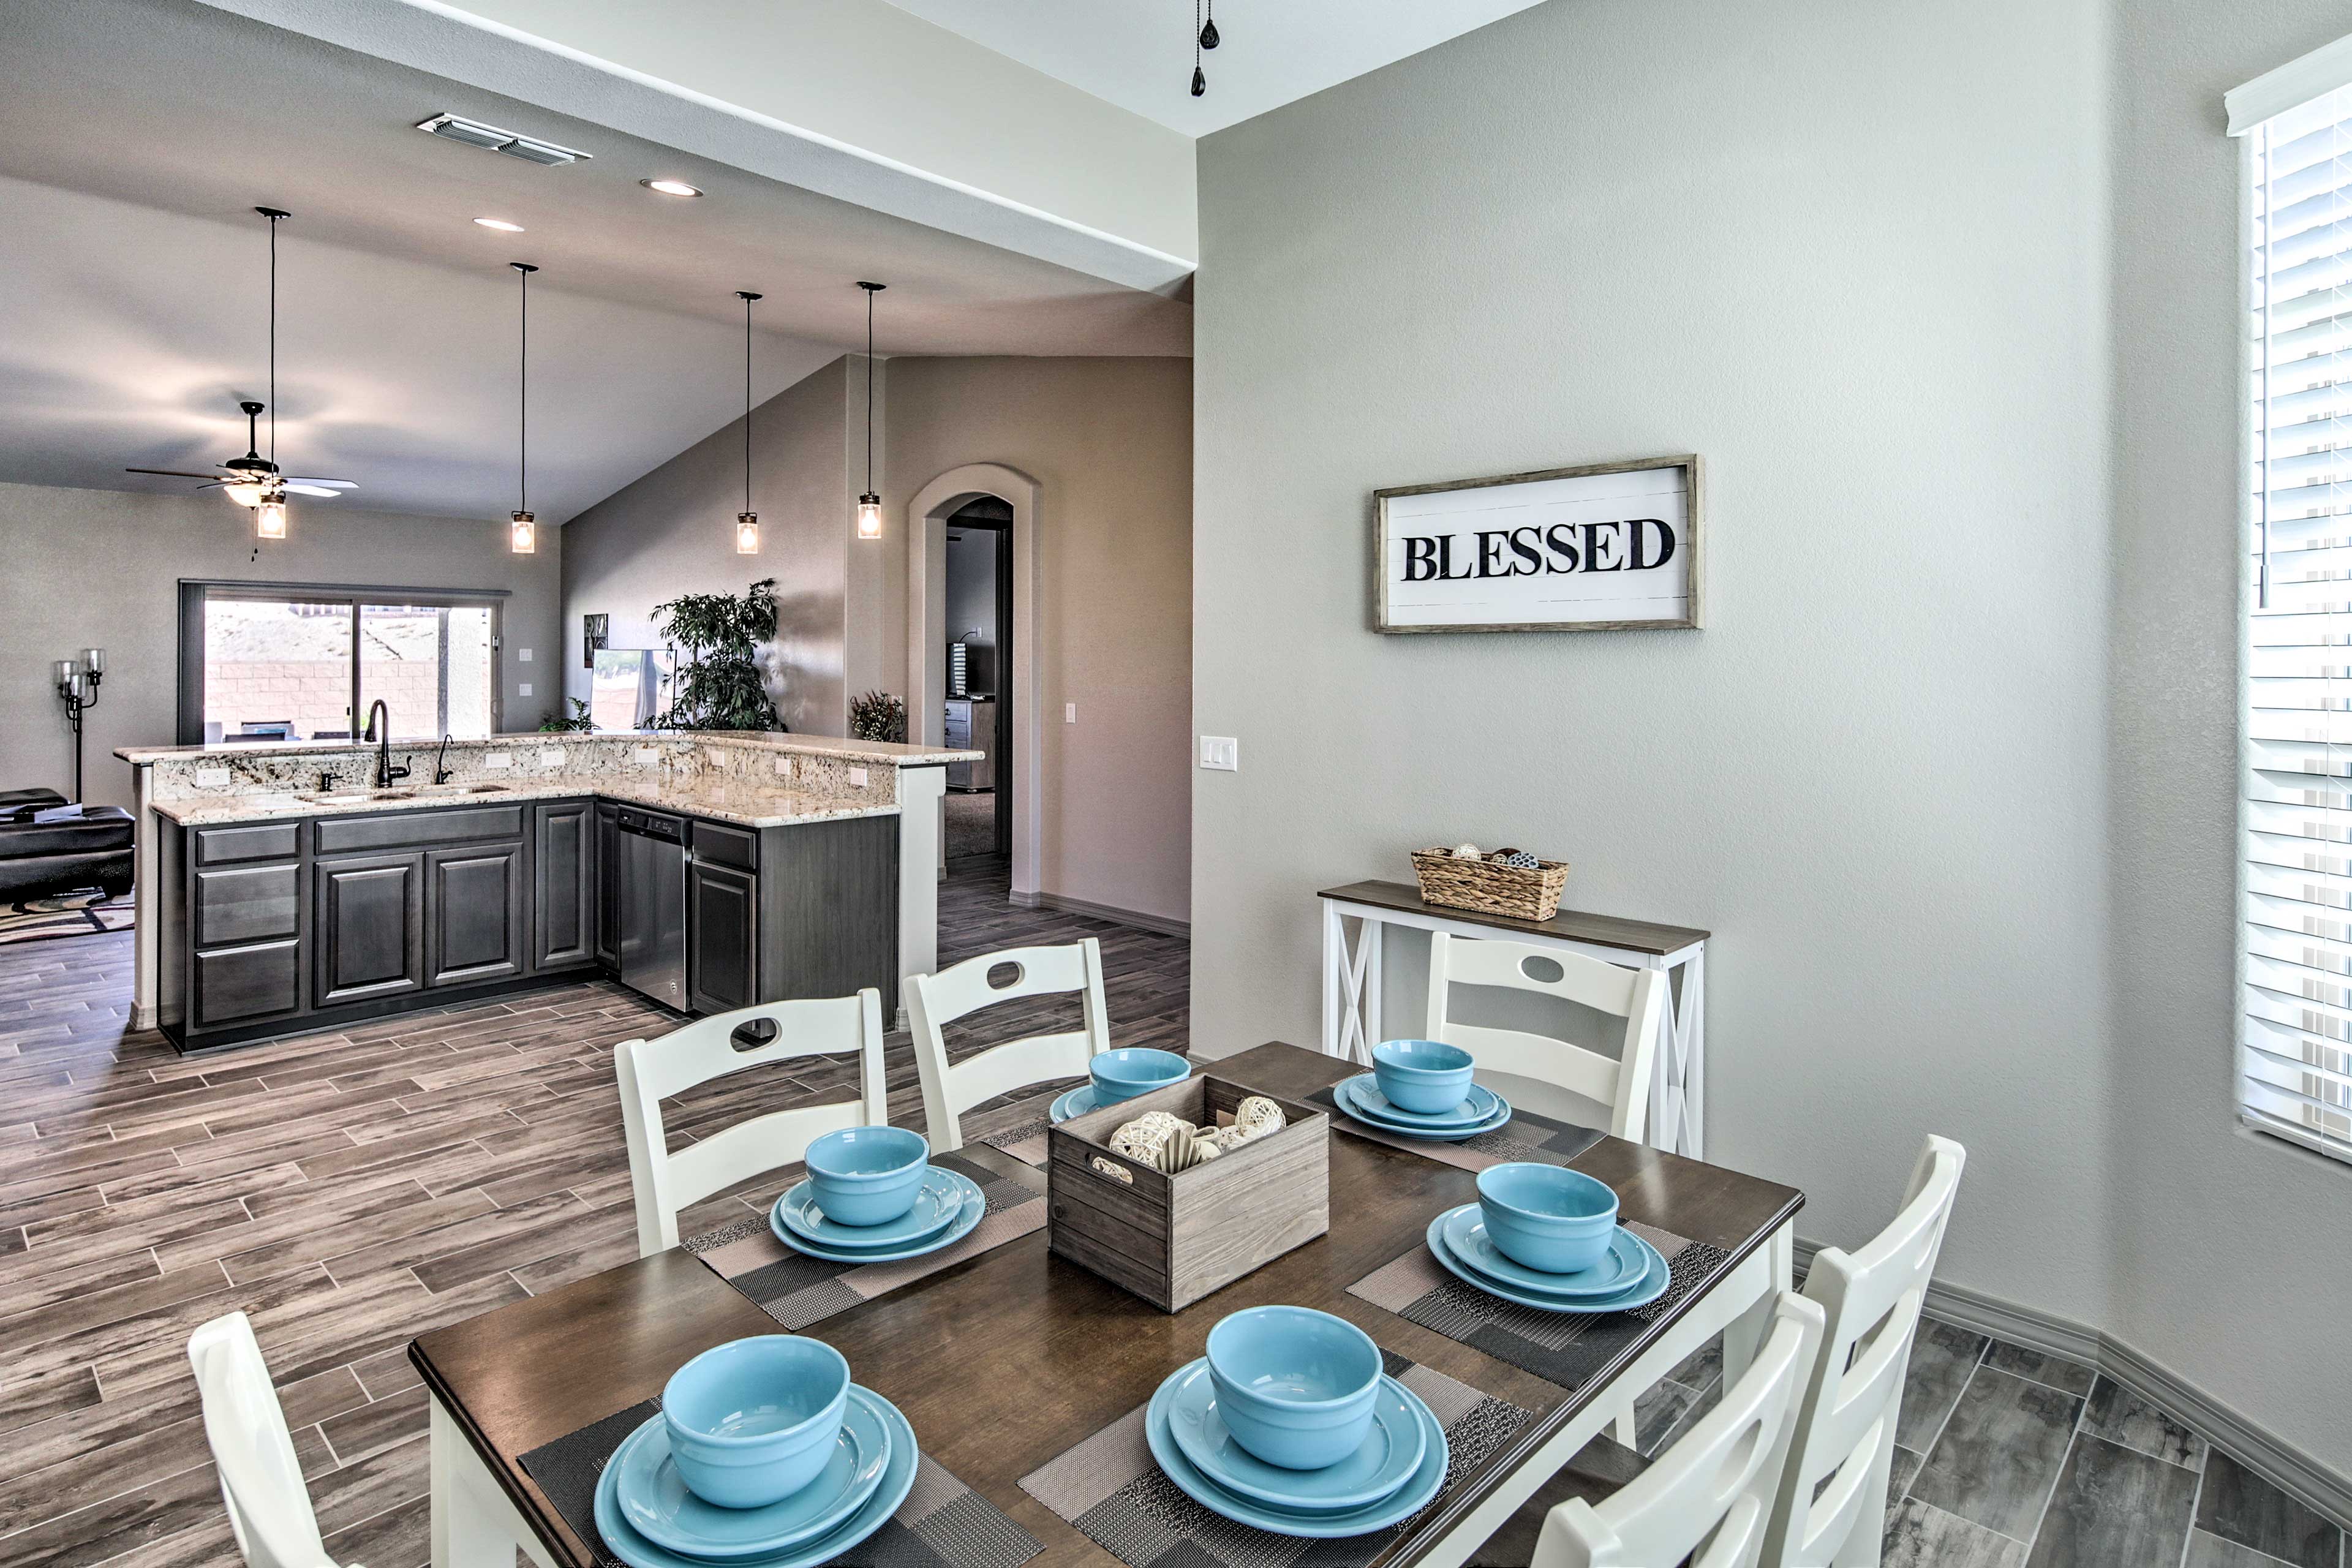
x=652, y=905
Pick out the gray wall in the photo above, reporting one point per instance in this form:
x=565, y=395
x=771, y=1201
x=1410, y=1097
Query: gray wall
x=673, y=532
x=102, y=567
x=2230, y=1254
x=1854, y=255
x=971, y=602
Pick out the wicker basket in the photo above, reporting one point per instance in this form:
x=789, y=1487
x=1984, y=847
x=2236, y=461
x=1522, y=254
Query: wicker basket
x=1489, y=887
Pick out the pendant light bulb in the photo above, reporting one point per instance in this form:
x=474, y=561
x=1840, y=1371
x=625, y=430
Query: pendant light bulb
x=869, y=505
x=747, y=521
x=269, y=518
x=522, y=535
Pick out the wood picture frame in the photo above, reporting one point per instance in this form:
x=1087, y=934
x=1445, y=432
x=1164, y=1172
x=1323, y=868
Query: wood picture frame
x=1558, y=527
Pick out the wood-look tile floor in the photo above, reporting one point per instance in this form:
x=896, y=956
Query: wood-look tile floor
x=349, y=1191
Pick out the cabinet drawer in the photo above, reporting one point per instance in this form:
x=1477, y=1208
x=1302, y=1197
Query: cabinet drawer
x=240, y=983
x=724, y=846
x=261, y=841
x=399, y=827
x=247, y=903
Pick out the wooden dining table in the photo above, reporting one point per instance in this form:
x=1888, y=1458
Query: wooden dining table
x=1006, y=1361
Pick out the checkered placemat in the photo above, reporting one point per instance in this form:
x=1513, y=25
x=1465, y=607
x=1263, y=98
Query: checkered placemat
x=797, y=1290
x=1111, y=1489
x=1525, y=1137
x=943, y=1523
x=1565, y=1348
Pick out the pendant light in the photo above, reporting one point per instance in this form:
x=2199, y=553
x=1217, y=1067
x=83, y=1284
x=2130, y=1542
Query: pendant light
x=869, y=505
x=268, y=501
x=747, y=521
x=522, y=530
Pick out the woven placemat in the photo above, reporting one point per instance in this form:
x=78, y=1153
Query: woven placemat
x=796, y=1290
x=1111, y=1489
x=1525, y=1137
x=943, y=1523
x=1565, y=1348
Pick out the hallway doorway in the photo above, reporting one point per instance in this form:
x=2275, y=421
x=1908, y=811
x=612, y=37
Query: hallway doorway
x=974, y=659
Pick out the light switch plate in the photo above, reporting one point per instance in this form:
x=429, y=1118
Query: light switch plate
x=525, y=656
x=498, y=759
x=212, y=778
x=857, y=778
x=551, y=756
x=1069, y=712
x=524, y=689
x=646, y=756
x=1222, y=752
x=784, y=766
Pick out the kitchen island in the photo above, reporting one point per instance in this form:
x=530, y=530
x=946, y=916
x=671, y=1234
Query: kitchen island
x=285, y=887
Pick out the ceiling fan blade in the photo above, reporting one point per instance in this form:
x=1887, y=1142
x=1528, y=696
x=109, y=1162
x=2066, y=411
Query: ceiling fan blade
x=330, y=484
x=173, y=473
x=313, y=490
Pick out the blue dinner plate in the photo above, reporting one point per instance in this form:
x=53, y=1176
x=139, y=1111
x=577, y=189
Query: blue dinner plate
x=1390, y=1452
x=1479, y=1106
x=897, y=1480
x=939, y=1202
x=1403, y=1503
x=1652, y=1284
x=974, y=1205
x=1430, y=1134
x=654, y=1500
x=1620, y=1268
x=1075, y=1102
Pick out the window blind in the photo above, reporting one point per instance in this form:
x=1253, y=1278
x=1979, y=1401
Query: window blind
x=2295, y=1056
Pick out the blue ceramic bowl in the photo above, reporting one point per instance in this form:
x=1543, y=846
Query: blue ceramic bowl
x=752, y=1422
x=1123, y=1074
x=868, y=1175
x=1294, y=1385
x=1426, y=1076
x=1545, y=1217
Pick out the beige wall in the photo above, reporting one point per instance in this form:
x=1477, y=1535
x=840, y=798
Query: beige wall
x=1110, y=442
x=673, y=532
x=102, y=567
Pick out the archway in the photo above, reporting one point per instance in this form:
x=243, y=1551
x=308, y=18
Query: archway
x=927, y=517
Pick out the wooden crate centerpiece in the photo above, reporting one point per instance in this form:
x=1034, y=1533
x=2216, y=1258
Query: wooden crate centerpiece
x=1171, y=1239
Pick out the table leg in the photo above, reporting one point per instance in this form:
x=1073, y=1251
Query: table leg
x=1744, y=1336
x=1369, y=1003
x=474, y=1524
x=1335, y=954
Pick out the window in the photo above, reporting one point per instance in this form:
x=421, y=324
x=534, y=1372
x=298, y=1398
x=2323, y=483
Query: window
x=2294, y=1051
x=274, y=662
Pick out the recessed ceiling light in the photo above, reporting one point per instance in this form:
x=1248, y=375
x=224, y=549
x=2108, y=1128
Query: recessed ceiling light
x=501, y=225
x=670, y=187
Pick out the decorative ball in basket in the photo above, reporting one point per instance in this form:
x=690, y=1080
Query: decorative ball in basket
x=1512, y=883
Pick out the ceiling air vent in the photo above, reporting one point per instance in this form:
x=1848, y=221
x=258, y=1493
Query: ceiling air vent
x=474, y=133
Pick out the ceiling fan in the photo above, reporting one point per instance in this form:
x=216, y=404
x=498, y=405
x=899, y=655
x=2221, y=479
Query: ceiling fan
x=254, y=480
x=249, y=480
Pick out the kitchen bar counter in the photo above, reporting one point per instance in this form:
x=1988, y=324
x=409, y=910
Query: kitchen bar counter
x=744, y=807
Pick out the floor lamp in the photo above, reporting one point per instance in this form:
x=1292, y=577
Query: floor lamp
x=78, y=683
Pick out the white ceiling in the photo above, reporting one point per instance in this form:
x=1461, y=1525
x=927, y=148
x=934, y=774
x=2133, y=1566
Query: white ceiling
x=138, y=134
x=1137, y=54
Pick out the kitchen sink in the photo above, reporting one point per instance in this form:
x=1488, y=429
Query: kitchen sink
x=355, y=796
x=467, y=789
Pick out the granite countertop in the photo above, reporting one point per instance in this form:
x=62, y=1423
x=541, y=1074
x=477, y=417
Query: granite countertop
x=745, y=807
x=892, y=752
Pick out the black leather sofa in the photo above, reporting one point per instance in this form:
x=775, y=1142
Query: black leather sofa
x=42, y=859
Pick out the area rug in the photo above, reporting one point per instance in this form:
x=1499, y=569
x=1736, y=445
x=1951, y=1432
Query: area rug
x=86, y=913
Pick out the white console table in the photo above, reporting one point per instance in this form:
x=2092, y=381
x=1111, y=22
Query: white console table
x=1351, y=985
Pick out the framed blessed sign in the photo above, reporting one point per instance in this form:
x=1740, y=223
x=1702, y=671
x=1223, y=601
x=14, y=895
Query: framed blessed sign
x=1610, y=547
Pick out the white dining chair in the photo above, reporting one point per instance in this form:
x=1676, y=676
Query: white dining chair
x=651, y=1071
x=1538, y=1065
x=260, y=1477
x=1708, y=1496
x=935, y=1001
x=1846, y=1423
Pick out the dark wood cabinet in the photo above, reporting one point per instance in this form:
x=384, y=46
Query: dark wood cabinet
x=474, y=917
x=723, y=944
x=243, y=984
x=608, y=884
x=368, y=928
x=564, y=885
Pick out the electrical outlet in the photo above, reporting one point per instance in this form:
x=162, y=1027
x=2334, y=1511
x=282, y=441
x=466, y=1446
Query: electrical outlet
x=1222, y=753
x=494, y=760
x=551, y=756
x=525, y=656
x=857, y=778
x=646, y=757
x=1069, y=712
x=524, y=689
x=784, y=767
x=212, y=778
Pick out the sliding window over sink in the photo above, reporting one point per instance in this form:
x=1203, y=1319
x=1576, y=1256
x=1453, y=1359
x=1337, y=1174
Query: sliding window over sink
x=297, y=662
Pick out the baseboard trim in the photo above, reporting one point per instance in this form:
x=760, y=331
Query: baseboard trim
x=1069, y=905
x=2284, y=1466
